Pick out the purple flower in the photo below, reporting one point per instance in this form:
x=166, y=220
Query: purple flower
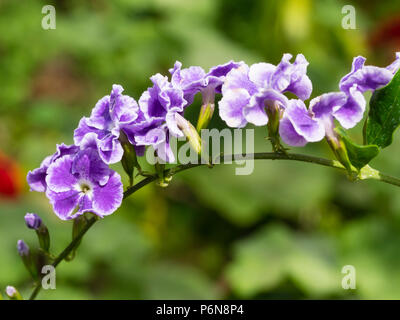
x=194, y=79
x=248, y=91
x=297, y=127
x=159, y=139
x=346, y=106
x=33, y=221
x=23, y=249
x=37, y=177
x=161, y=102
x=83, y=183
x=111, y=114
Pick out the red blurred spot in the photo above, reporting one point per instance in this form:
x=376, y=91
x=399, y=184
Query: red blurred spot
x=387, y=34
x=10, y=177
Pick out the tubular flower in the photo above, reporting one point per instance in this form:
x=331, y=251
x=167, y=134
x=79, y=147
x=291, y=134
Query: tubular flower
x=346, y=106
x=82, y=183
x=248, y=92
x=111, y=114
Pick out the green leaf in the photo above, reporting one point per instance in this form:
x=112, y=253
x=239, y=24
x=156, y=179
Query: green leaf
x=359, y=155
x=384, y=114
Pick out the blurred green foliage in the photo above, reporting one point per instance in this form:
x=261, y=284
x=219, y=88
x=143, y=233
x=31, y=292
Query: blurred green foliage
x=285, y=231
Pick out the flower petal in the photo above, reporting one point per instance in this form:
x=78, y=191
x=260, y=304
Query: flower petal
x=353, y=110
x=289, y=134
x=231, y=107
x=365, y=77
x=64, y=203
x=108, y=198
x=59, y=175
x=261, y=74
x=310, y=129
x=255, y=115
x=325, y=104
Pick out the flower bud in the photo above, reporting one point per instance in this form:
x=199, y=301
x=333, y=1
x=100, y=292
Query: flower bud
x=190, y=132
x=26, y=256
x=207, y=108
x=340, y=151
x=23, y=249
x=33, y=221
x=205, y=116
x=129, y=159
x=13, y=293
x=274, y=116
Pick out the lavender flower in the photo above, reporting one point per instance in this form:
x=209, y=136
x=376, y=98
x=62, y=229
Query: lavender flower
x=22, y=248
x=161, y=102
x=37, y=177
x=194, y=79
x=83, y=183
x=33, y=221
x=297, y=127
x=347, y=106
x=111, y=114
x=159, y=106
x=248, y=92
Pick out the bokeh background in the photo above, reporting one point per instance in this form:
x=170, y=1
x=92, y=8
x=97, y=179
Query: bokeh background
x=285, y=231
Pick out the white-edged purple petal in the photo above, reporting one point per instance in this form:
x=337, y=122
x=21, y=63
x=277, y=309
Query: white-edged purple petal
x=239, y=79
x=292, y=78
x=37, y=177
x=263, y=96
x=365, y=77
x=59, y=175
x=108, y=198
x=100, y=117
x=123, y=108
x=289, y=134
x=324, y=105
x=352, y=110
x=64, y=203
x=261, y=74
x=312, y=130
x=255, y=115
x=231, y=107
x=110, y=149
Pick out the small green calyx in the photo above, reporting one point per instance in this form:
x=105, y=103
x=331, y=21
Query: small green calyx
x=129, y=159
x=274, y=115
x=163, y=180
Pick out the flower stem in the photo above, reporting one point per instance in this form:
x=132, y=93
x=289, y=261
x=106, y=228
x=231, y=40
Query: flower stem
x=364, y=174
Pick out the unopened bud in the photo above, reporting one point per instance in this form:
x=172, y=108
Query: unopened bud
x=13, y=293
x=129, y=159
x=339, y=149
x=205, y=115
x=26, y=256
x=33, y=221
x=190, y=132
x=23, y=249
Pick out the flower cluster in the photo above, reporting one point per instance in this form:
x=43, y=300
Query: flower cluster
x=77, y=178
x=252, y=94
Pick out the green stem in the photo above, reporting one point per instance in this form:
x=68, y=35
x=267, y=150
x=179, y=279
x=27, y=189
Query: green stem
x=364, y=174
